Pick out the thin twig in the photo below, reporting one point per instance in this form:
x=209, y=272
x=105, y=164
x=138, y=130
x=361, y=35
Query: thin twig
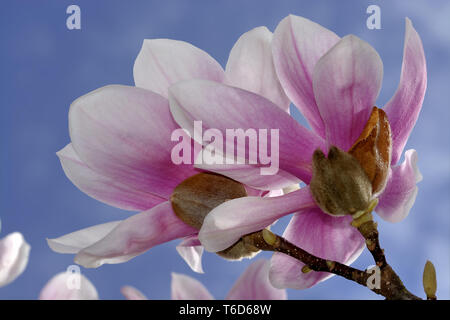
x=391, y=287
x=369, y=230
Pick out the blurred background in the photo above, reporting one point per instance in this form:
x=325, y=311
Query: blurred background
x=45, y=66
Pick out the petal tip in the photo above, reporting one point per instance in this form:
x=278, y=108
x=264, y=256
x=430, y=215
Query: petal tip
x=413, y=157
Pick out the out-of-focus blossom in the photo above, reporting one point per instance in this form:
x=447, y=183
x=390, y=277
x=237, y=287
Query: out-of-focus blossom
x=69, y=286
x=14, y=252
x=253, y=284
x=120, y=150
x=334, y=82
x=131, y=293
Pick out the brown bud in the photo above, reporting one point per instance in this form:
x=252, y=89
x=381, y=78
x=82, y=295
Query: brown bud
x=339, y=184
x=196, y=196
x=373, y=149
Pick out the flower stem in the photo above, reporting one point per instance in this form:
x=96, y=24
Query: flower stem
x=391, y=287
x=369, y=230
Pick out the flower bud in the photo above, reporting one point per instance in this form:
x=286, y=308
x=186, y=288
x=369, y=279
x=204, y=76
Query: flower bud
x=238, y=251
x=347, y=182
x=429, y=280
x=373, y=149
x=339, y=184
x=196, y=196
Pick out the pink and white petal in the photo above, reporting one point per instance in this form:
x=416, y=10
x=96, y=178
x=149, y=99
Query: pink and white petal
x=14, y=253
x=251, y=176
x=102, y=188
x=251, y=192
x=404, y=107
x=124, y=133
x=250, y=67
x=186, y=288
x=274, y=193
x=401, y=190
x=131, y=293
x=163, y=62
x=76, y=241
x=134, y=236
x=254, y=284
x=297, y=45
x=346, y=83
x=191, y=250
x=222, y=107
x=225, y=224
x=64, y=286
x=327, y=237
x=279, y=192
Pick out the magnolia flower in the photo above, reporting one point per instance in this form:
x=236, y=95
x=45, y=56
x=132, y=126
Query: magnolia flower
x=68, y=286
x=253, y=284
x=334, y=82
x=14, y=252
x=120, y=150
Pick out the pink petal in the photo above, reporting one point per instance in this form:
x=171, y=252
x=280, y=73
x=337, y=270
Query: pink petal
x=250, y=67
x=223, y=107
x=254, y=192
x=124, y=134
x=187, y=288
x=163, y=62
x=76, y=241
x=68, y=286
x=346, y=82
x=191, y=250
x=14, y=252
x=298, y=44
x=400, y=193
x=225, y=224
x=404, y=107
x=102, y=188
x=134, y=236
x=320, y=234
x=254, y=284
x=131, y=293
x=250, y=175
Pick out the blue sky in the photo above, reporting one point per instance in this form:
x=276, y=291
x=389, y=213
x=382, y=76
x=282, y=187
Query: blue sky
x=44, y=67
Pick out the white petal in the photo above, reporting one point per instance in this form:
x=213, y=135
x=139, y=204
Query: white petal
x=132, y=293
x=254, y=284
x=78, y=240
x=163, y=62
x=401, y=189
x=187, y=288
x=250, y=67
x=69, y=286
x=14, y=252
x=191, y=250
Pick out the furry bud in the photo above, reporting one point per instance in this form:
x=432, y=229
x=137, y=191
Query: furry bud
x=339, y=184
